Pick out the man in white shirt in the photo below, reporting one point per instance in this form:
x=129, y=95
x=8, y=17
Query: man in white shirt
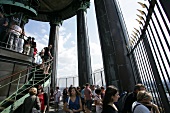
x=57, y=95
x=15, y=32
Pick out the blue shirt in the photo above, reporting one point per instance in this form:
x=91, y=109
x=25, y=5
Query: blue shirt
x=74, y=105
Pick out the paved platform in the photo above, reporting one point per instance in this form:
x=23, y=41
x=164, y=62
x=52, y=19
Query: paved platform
x=60, y=110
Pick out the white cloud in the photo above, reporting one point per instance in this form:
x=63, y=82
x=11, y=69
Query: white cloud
x=67, y=62
x=67, y=56
x=43, y=31
x=62, y=40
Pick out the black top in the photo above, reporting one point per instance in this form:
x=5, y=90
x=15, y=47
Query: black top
x=3, y=20
x=46, y=51
x=109, y=109
x=33, y=44
x=132, y=97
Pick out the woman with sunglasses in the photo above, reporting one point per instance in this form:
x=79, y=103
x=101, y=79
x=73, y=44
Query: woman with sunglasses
x=144, y=104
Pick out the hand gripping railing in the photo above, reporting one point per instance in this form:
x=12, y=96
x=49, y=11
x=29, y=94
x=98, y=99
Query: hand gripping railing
x=14, y=95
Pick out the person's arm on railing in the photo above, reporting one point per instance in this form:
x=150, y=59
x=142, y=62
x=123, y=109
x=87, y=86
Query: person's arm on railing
x=50, y=55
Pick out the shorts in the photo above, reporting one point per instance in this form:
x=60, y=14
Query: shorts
x=46, y=58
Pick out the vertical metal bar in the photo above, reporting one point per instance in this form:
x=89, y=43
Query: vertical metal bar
x=163, y=17
x=101, y=78
x=135, y=68
x=149, y=81
x=157, y=59
x=66, y=82
x=156, y=75
x=94, y=78
x=10, y=81
x=17, y=86
x=160, y=38
x=73, y=81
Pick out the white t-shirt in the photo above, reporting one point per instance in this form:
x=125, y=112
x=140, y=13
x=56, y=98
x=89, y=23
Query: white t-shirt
x=98, y=107
x=140, y=108
x=57, y=95
x=16, y=30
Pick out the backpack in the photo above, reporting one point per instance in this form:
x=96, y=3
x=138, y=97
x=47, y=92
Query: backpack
x=121, y=101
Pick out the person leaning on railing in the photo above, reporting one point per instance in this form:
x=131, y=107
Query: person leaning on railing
x=144, y=104
x=14, y=34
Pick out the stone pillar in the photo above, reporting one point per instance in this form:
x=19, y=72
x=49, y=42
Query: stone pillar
x=53, y=40
x=116, y=63
x=84, y=60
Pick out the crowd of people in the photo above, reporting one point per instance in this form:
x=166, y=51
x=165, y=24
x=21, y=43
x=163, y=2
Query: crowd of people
x=106, y=101
x=76, y=100
x=12, y=36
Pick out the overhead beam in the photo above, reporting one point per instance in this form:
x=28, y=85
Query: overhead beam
x=46, y=5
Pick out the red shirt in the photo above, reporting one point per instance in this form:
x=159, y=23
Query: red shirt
x=41, y=97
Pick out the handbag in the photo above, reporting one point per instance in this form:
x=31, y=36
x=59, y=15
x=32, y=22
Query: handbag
x=34, y=109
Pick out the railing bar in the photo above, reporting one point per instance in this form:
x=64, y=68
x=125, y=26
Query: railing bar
x=160, y=12
x=157, y=56
x=152, y=72
x=160, y=38
x=136, y=51
x=25, y=89
x=146, y=65
x=142, y=65
x=21, y=71
x=134, y=67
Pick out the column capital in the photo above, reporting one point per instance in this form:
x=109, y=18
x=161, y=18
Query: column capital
x=25, y=19
x=82, y=4
x=55, y=20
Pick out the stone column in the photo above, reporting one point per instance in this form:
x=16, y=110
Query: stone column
x=53, y=40
x=84, y=60
x=113, y=40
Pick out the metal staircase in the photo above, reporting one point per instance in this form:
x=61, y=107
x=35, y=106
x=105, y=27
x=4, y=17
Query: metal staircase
x=34, y=78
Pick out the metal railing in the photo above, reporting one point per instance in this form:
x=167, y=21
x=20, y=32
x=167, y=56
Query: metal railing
x=97, y=77
x=150, y=46
x=18, y=80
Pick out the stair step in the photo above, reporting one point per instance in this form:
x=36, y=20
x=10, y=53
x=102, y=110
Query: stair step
x=8, y=102
x=20, y=95
x=2, y=108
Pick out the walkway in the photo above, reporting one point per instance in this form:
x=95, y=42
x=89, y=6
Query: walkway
x=60, y=110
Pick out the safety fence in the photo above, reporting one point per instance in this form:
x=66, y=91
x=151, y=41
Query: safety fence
x=97, y=76
x=149, y=52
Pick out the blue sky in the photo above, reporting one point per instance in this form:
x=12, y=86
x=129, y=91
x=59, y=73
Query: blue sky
x=67, y=57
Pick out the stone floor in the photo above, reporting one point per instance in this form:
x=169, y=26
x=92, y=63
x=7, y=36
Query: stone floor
x=60, y=110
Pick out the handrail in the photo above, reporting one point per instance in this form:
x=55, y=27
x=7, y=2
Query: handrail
x=8, y=27
x=21, y=71
x=13, y=96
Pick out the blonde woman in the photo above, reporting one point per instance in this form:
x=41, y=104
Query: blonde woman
x=144, y=104
x=31, y=101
